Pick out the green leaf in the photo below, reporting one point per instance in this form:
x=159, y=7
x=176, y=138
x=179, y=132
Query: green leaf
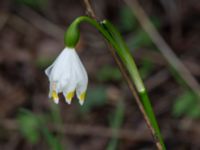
x=141, y=39
x=43, y=62
x=194, y=112
x=109, y=73
x=52, y=141
x=29, y=126
x=37, y=4
x=33, y=126
x=55, y=114
x=146, y=68
x=127, y=19
x=125, y=56
x=186, y=104
x=116, y=120
x=177, y=77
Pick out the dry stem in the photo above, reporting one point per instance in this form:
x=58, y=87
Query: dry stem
x=91, y=13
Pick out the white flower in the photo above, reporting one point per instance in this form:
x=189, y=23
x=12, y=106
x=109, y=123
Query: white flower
x=67, y=75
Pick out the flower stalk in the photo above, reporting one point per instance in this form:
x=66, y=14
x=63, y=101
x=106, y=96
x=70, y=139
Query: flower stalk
x=115, y=39
x=125, y=55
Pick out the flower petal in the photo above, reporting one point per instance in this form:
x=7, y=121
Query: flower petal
x=81, y=88
x=53, y=92
x=55, y=97
x=66, y=74
x=61, y=65
x=82, y=78
x=69, y=88
x=69, y=96
x=48, y=70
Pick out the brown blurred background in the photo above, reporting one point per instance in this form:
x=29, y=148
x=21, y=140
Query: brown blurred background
x=31, y=36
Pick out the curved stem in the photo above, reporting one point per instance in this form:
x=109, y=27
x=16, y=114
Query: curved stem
x=124, y=53
x=116, y=40
x=94, y=23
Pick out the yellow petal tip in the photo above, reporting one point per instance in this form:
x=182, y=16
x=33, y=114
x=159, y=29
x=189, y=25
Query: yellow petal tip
x=55, y=97
x=69, y=97
x=82, y=98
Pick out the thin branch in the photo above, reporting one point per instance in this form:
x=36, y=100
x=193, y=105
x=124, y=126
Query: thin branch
x=89, y=10
x=131, y=135
x=42, y=23
x=85, y=130
x=126, y=77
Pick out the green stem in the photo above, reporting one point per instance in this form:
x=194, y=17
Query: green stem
x=126, y=57
x=116, y=40
x=72, y=33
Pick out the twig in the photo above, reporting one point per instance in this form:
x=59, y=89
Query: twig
x=164, y=48
x=126, y=77
x=85, y=130
x=105, y=132
x=157, y=79
x=89, y=9
x=41, y=23
x=157, y=58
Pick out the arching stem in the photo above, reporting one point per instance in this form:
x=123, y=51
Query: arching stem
x=115, y=39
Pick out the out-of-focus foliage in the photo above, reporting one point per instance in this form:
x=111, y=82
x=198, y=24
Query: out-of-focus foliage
x=109, y=73
x=130, y=24
x=37, y=4
x=95, y=97
x=128, y=21
x=55, y=115
x=141, y=39
x=34, y=127
x=186, y=104
x=177, y=77
x=43, y=62
x=29, y=126
x=116, y=120
x=146, y=68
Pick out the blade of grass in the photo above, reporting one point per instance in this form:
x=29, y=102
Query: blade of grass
x=116, y=122
x=125, y=55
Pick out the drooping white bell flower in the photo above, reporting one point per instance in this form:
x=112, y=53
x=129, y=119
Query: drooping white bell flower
x=67, y=75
